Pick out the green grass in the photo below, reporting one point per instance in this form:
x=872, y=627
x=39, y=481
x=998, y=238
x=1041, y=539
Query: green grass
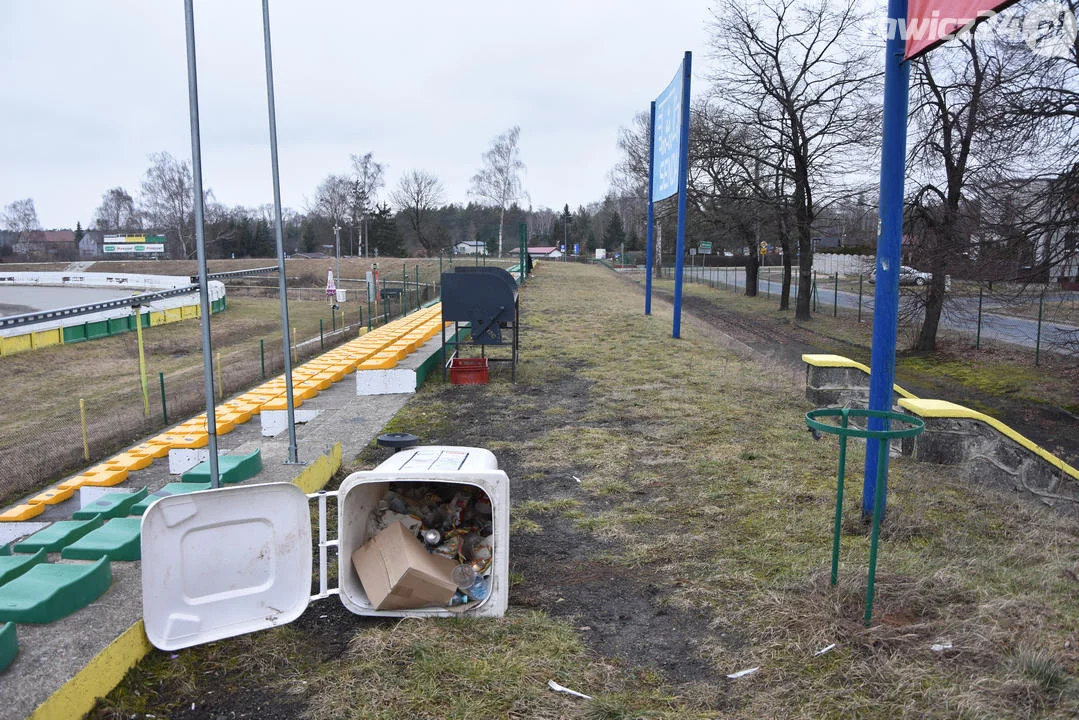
x=697, y=473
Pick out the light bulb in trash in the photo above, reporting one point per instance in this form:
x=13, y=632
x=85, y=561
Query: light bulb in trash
x=432, y=536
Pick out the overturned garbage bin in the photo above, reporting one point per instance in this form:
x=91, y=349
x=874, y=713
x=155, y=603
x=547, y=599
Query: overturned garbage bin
x=424, y=534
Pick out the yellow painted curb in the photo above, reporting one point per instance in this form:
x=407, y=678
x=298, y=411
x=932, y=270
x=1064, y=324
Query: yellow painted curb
x=77, y=696
x=315, y=476
x=946, y=409
x=826, y=360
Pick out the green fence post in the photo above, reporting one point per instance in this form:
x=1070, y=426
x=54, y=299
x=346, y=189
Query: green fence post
x=321, y=342
x=404, y=288
x=262, y=356
x=1038, y=342
x=859, y=297
x=164, y=407
x=978, y=337
x=417, y=286
x=835, y=297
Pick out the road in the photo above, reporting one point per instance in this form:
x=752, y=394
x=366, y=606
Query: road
x=960, y=314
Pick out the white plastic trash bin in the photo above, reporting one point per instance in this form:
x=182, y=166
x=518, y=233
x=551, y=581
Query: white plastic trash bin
x=342, y=295
x=225, y=562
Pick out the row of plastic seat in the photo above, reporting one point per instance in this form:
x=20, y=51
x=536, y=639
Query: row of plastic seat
x=381, y=348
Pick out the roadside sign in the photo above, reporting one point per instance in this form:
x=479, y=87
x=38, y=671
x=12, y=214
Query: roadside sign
x=764, y=247
x=704, y=247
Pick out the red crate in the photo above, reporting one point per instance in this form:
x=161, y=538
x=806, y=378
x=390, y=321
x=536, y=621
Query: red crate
x=468, y=371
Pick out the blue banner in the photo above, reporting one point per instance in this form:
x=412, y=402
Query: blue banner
x=667, y=138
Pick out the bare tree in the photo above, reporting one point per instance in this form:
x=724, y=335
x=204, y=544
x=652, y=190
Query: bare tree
x=168, y=199
x=797, y=75
x=332, y=197
x=498, y=182
x=117, y=212
x=417, y=196
x=980, y=171
x=367, y=180
x=20, y=216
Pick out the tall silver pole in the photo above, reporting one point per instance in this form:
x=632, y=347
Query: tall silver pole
x=200, y=244
x=337, y=242
x=286, y=336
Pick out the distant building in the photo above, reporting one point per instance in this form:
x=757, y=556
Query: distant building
x=470, y=247
x=542, y=251
x=46, y=245
x=90, y=244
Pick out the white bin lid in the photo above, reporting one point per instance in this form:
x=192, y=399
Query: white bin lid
x=225, y=562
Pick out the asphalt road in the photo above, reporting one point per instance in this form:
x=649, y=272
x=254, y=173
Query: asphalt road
x=960, y=314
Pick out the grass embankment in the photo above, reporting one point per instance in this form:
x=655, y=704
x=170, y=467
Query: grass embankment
x=957, y=370
x=700, y=487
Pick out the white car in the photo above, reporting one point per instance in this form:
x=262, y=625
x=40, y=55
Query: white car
x=907, y=276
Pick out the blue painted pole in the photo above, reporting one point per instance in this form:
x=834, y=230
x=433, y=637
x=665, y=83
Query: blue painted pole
x=650, y=242
x=886, y=296
x=683, y=171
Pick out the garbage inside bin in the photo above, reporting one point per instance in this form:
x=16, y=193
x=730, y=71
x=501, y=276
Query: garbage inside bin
x=225, y=562
x=397, y=571
x=448, y=522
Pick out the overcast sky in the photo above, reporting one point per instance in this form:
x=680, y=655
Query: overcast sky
x=89, y=88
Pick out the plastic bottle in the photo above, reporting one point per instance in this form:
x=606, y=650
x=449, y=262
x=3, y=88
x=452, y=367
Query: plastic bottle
x=470, y=582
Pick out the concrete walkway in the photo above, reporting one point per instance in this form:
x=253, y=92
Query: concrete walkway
x=36, y=685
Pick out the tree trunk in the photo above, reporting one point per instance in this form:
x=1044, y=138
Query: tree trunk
x=785, y=291
x=658, y=269
x=805, y=275
x=934, y=305
x=501, y=222
x=753, y=266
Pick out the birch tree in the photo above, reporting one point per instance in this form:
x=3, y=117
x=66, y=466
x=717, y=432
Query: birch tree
x=498, y=182
x=168, y=199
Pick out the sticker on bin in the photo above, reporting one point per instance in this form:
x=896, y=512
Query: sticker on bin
x=450, y=460
x=424, y=534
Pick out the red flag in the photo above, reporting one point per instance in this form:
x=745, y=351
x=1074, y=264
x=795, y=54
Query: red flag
x=932, y=22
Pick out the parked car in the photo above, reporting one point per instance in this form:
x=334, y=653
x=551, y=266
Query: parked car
x=907, y=276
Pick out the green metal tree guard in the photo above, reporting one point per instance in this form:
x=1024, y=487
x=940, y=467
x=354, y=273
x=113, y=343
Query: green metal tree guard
x=844, y=431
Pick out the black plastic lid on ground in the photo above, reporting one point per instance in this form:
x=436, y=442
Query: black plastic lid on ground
x=398, y=441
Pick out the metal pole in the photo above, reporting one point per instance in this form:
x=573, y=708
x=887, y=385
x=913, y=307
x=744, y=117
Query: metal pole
x=321, y=342
x=683, y=171
x=978, y=337
x=337, y=244
x=650, y=254
x=859, y=297
x=200, y=244
x=85, y=435
x=835, y=297
x=1038, y=342
x=164, y=407
x=886, y=296
x=142, y=363
x=839, y=496
x=262, y=356
x=286, y=340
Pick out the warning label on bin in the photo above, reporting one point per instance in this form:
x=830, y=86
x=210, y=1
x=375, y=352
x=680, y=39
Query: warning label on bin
x=438, y=460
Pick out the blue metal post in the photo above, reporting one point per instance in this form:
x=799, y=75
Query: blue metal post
x=886, y=296
x=650, y=251
x=683, y=171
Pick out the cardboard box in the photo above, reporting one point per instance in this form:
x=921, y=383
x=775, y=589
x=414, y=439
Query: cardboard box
x=397, y=572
